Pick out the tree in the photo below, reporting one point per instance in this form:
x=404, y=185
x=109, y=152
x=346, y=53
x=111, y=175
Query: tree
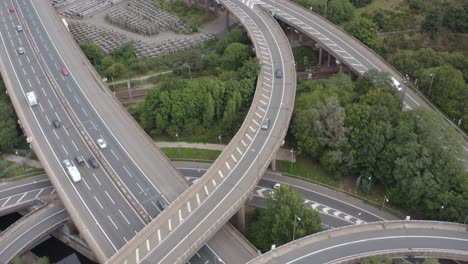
x=339, y=11
x=236, y=35
x=92, y=52
x=285, y=213
x=433, y=21
x=360, y=3
x=209, y=111
x=456, y=18
x=448, y=89
x=235, y=55
x=365, y=30
x=8, y=133
x=249, y=69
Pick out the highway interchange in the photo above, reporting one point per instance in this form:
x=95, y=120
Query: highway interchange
x=106, y=235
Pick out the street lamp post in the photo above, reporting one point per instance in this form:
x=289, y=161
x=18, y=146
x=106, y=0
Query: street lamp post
x=292, y=158
x=430, y=86
x=220, y=139
x=385, y=200
x=296, y=218
x=178, y=145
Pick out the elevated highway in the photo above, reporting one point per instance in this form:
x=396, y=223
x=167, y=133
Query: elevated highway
x=145, y=173
x=347, y=50
x=201, y=210
x=20, y=194
x=392, y=238
x=29, y=72
x=30, y=229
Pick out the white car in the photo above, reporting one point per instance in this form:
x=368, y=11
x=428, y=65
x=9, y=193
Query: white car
x=20, y=50
x=276, y=186
x=19, y=28
x=101, y=143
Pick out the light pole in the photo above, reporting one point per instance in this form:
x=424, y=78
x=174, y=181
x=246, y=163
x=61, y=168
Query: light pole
x=296, y=218
x=178, y=145
x=385, y=200
x=292, y=158
x=430, y=86
x=220, y=139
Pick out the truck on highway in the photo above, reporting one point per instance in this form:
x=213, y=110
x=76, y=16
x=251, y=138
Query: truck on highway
x=72, y=171
x=32, y=98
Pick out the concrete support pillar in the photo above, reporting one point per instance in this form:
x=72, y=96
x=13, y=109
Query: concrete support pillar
x=320, y=55
x=206, y=7
x=329, y=59
x=227, y=20
x=301, y=37
x=273, y=164
x=240, y=220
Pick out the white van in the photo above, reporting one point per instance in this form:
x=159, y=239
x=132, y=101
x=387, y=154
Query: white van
x=32, y=98
x=72, y=171
x=396, y=84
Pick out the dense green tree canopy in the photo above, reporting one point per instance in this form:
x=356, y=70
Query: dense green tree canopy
x=285, y=213
x=365, y=30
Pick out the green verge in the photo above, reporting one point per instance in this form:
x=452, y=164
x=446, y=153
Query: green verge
x=19, y=173
x=309, y=170
x=191, y=154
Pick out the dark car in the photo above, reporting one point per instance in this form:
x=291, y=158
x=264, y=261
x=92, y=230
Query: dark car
x=93, y=162
x=79, y=160
x=162, y=204
x=56, y=123
x=278, y=73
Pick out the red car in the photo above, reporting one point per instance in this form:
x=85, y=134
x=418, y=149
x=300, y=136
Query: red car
x=64, y=71
x=11, y=9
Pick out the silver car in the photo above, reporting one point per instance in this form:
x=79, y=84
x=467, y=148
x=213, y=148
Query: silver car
x=20, y=50
x=266, y=124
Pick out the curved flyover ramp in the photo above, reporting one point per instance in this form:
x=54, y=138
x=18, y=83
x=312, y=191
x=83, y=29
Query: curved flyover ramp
x=347, y=49
x=201, y=210
x=392, y=238
x=23, y=234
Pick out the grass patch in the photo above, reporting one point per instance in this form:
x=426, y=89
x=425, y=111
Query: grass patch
x=191, y=154
x=308, y=169
x=383, y=4
x=20, y=172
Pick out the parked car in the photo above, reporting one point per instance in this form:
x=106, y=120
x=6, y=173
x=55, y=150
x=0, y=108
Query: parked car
x=276, y=186
x=101, y=143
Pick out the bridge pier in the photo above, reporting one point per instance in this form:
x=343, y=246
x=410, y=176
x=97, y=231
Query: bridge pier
x=240, y=219
x=329, y=59
x=273, y=163
x=227, y=20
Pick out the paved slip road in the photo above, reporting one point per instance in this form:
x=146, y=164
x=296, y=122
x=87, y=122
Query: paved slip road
x=23, y=73
x=395, y=238
x=106, y=219
x=131, y=153
x=32, y=227
x=23, y=193
x=346, y=48
x=200, y=211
